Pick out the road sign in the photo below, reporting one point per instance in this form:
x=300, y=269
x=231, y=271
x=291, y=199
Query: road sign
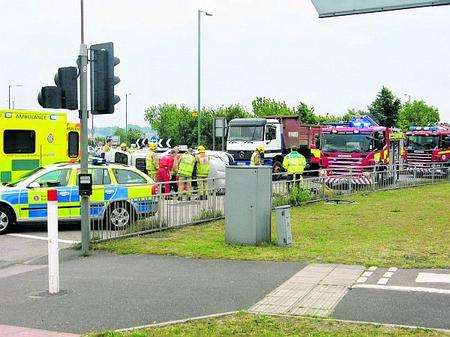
x=164, y=143
x=330, y=8
x=220, y=123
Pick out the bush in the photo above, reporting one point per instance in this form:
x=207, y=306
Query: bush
x=297, y=196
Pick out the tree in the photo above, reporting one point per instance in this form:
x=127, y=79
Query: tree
x=121, y=134
x=417, y=113
x=171, y=121
x=385, y=108
x=263, y=107
x=353, y=113
x=133, y=135
x=306, y=114
x=131, y=138
x=180, y=123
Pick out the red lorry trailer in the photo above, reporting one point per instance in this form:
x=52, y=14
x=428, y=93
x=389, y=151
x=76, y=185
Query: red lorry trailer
x=428, y=147
x=353, y=150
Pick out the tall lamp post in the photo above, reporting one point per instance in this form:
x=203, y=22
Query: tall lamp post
x=200, y=12
x=409, y=97
x=126, y=113
x=9, y=93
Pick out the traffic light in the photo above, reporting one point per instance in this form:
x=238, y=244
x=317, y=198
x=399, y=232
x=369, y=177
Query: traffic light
x=103, y=79
x=65, y=94
x=66, y=79
x=50, y=98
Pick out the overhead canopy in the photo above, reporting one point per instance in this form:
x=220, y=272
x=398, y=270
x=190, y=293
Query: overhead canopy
x=329, y=8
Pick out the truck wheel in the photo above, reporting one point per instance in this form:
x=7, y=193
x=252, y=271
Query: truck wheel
x=6, y=219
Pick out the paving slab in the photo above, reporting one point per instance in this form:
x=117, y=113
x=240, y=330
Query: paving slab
x=14, y=331
x=313, y=291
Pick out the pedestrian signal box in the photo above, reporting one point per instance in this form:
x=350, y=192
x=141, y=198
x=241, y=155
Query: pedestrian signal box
x=85, y=184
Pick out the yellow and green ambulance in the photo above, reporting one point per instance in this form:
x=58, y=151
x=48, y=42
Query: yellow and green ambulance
x=32, y=139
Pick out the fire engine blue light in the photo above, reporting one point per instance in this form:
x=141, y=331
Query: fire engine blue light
x=362, y=122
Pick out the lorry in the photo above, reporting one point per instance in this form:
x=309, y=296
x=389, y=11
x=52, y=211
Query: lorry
x=32, y=139
x=354, y=149
x=278, y=135
x=428, y=147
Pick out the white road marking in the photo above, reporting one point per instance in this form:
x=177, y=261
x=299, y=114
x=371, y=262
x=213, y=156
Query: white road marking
x=367, y=273
x=19, y=269
x=405, y=289
x=362, y=279
x=43, y=238
x=388, y=274
x=383, y=280
x=373, y=268
x=433, y=278
x=393, y=269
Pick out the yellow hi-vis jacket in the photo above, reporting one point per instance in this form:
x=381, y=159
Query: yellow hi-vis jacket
x=256, y=159
x=186, y=165
x=294, y=163
x=152, y=162
x=203, y=166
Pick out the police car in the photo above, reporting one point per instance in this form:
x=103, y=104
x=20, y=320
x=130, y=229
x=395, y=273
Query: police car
x=119, y=194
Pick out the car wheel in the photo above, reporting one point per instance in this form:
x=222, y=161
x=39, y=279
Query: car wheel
x=6, y=219
x=120, y=216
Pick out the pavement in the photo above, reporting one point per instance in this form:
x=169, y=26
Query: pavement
x=106, y=291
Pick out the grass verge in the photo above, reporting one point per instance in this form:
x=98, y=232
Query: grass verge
x=243, y=324
x=407, y=228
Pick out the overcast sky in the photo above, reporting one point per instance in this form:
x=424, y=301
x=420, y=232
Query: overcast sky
x=272, y=48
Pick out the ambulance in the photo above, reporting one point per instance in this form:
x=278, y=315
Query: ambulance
x=32, y=139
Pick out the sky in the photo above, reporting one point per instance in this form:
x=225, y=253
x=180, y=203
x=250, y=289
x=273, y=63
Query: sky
x=273, y=48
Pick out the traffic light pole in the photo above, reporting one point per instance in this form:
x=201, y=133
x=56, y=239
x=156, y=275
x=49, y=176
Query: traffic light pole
x=84, y=211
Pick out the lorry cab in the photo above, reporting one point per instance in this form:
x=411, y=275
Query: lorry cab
x=245, y=134
x=277, y=134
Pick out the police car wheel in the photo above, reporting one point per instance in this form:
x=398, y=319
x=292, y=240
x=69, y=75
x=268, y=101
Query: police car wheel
x=6, y=219
x=120, y=216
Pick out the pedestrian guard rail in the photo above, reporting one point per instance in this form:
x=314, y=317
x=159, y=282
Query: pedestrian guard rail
x=204, y=201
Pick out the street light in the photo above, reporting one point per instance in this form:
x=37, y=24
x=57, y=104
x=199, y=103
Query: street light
x=126, y=113
x=409, y=97
x=9, y=92
x=200, y=12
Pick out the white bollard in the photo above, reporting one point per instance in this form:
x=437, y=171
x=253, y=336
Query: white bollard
x=53, y=253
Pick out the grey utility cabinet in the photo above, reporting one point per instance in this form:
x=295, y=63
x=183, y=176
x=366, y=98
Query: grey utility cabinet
x=283, y=215
x=248, y=204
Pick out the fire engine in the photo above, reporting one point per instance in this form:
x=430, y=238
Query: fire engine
x=355, y=149
x=427, y=147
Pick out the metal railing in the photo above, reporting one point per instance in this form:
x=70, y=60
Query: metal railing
x=204, y=199
x=325, y=185
x=175, y=204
